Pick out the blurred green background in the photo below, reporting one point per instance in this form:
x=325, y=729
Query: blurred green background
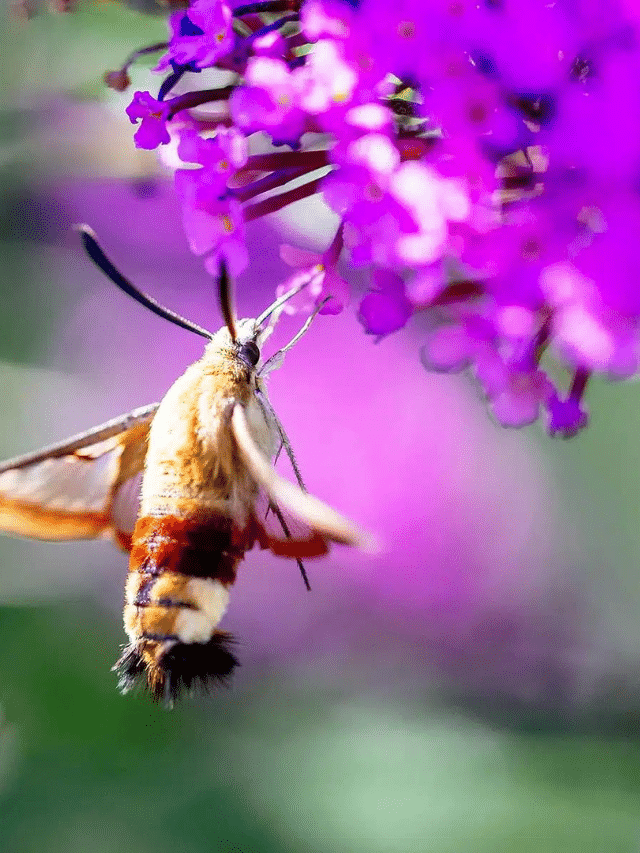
x=374, y=745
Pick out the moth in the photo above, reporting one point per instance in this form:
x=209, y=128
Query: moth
x=187, y=487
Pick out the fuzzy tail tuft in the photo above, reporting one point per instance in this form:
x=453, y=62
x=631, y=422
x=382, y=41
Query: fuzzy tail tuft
x=170, y=668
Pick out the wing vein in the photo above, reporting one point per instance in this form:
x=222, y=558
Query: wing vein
x=83, y=439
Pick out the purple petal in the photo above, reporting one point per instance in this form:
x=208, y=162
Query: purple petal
x=385, y=309
x=567, y=417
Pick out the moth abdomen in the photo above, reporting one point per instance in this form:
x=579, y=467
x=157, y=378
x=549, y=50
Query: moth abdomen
x=176, y=594
x=201, y=547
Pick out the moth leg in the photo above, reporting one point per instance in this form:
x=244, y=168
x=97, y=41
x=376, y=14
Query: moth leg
x=284, y=439
x=268, y=409
x=276, y=359
x=277, y=306
x=275, y=509
x=326, y=524
x=275, y=462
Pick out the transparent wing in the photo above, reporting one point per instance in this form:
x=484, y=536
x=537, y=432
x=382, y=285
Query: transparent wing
x=284, y=534
x=313, y=523
x=81, y=488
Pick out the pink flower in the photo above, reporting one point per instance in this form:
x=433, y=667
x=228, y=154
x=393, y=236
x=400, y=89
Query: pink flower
x=324, y=280
x=482, y=158
x=209, y=37
x=152, y=116
x=385, y=308
x=269, y=100
x=212, y=223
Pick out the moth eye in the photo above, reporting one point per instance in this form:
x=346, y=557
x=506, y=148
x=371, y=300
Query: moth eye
x=250, y=353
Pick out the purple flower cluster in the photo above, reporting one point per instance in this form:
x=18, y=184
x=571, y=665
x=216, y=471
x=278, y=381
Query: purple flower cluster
x=483, y=158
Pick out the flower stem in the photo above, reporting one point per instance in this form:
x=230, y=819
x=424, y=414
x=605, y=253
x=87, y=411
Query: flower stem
x=119, y=80
x=276, y=25
x=267, y=6
x=579, y=384
x=270, y=182
x=271, y=205
x=170, y=82
x=152, y=48
x=197, y=99
x=337, y=244
x=458, y=291
x=308, y=160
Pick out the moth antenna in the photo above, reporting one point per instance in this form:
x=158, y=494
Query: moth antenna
x=280, y=301
x=276, y=359
x=225, y=295
x=275, y=509
x=97, y=255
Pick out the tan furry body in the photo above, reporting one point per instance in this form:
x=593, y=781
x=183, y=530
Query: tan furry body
x=196, y=511
x=191, y=462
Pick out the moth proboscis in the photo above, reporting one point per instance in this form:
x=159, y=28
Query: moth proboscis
x=179, y=485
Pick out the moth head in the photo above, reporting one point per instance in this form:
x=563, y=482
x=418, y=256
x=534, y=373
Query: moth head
x=248, y=342
x=244, y=339
x=245, y=344
x=245, y=336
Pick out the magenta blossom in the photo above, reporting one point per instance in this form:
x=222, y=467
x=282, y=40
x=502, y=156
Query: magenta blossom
x=483, y=160
x=213, y=224
x=386, y=307
x=269, y=101
x=201, y=35
x=325, y=286
x=152, y=115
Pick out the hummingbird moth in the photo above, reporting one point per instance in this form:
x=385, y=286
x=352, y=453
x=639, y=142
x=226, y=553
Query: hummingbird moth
x=187, y=487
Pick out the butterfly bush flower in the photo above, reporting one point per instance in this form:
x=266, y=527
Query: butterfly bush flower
x=200, y=38
x=482, y=158
x=152, y=115
x=324, y=285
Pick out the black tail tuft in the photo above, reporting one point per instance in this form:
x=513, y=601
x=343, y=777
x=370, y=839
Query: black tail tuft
x=171, y=668
x=130, y=668
x=196, y=665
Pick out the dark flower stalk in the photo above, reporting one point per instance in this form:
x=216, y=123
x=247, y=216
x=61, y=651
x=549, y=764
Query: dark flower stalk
x=119, y=80
x=282, y=200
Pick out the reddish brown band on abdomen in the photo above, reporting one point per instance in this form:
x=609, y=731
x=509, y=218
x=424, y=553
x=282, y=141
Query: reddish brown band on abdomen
x=171, y=559
x=202, y=547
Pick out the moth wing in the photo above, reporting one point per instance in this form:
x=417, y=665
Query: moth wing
x=314, y=523
x=283, y=533
x=81, y=488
